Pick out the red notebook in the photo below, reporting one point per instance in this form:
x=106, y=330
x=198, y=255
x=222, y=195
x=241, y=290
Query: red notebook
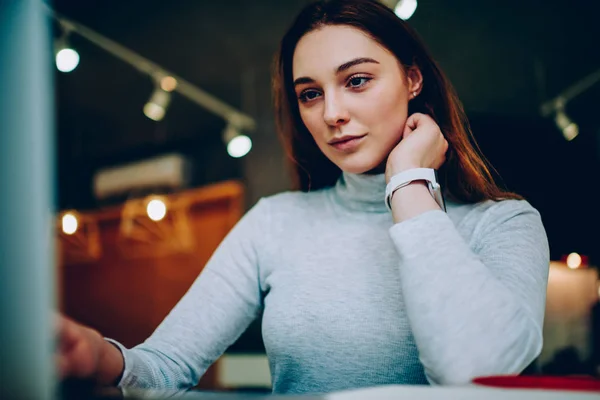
x=582, y=383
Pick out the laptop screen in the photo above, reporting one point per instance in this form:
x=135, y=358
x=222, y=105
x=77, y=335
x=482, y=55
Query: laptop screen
x=26, y=201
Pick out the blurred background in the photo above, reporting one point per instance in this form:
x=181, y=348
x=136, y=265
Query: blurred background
x=166, y=136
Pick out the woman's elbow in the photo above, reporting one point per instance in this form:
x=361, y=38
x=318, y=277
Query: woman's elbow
x=508, y=357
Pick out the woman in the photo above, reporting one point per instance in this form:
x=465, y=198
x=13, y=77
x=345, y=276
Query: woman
x=354, y=295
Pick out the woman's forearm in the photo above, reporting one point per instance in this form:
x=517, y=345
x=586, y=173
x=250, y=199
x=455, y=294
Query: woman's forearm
x=475, y=305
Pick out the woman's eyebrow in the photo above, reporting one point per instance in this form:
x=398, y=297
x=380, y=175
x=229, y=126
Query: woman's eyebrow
x=341, y=68
x=303, y=80
x=356, y=61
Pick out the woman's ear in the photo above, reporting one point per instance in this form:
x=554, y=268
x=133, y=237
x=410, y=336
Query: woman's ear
x=415, y=80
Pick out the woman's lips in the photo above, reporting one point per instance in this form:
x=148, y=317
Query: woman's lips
x=346, y=144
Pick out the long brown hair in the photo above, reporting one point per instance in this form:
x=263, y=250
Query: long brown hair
x=465, y=175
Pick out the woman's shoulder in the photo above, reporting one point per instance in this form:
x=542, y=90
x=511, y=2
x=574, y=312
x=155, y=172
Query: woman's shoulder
x=495, y=216
x=504, y=209
x=493, y=209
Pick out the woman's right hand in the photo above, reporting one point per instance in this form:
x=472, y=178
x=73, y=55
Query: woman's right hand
x=83, y=353
x=78, y=349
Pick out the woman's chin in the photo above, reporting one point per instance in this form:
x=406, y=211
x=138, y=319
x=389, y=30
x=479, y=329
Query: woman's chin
x=364, y=167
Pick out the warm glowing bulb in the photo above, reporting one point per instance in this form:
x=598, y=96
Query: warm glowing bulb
x=156, y=209
x=67, y=60
x=573, y=261
x=405, y=8
x=69, y=224
x=168, y=83
x=239, y=146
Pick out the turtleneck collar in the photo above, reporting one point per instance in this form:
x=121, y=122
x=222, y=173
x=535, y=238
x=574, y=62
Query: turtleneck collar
x=361, y=192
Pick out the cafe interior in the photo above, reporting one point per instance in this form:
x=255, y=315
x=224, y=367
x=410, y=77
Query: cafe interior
x=161, y=136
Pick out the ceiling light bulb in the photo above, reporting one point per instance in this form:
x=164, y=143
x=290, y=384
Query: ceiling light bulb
x=569, y=129
x=239, y=146
x=405, y=8
x=156, y=107
x=67, y=60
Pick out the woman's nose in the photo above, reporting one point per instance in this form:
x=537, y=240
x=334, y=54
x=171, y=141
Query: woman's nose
x=335, y=113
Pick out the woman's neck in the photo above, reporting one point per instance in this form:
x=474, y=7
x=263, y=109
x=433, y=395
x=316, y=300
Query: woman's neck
x=380, y=169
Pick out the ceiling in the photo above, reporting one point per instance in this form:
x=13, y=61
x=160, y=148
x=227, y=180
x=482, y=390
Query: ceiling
x=504, y=59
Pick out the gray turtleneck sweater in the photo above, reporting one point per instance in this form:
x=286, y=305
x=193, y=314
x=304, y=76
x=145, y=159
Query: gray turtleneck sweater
x=351, y=299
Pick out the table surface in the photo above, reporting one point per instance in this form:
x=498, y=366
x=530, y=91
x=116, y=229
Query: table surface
x=85, y=390
x=390, y=392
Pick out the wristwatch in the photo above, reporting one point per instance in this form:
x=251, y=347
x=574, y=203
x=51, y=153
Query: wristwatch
x=405, y=178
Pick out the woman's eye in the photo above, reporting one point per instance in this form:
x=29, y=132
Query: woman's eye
x=308, y=95
x=358, y=81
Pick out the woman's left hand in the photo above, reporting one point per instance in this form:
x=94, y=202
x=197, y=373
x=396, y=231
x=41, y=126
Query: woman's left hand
x=422, y=146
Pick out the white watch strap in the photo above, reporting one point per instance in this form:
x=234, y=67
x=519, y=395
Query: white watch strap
x=404, y=178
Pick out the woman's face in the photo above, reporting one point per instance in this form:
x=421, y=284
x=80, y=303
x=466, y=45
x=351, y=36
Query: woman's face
x=353, y=96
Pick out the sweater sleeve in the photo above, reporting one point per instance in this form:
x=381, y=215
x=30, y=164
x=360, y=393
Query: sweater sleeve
x=219, y=306
x=475, y=309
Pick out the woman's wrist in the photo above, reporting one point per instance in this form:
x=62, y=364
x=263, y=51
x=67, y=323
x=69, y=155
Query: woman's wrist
x=412, y=200
x=110, y=365
x=395, y=169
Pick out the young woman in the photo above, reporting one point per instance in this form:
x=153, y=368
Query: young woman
x=365, y=276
